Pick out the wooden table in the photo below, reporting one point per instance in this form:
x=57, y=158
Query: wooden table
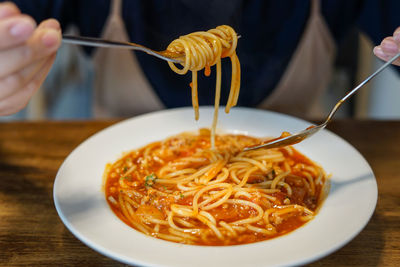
x=32, y=234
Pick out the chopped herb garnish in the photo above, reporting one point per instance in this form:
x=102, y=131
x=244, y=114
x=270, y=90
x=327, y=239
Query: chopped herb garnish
x=150, y=180
x=126, y=178
x=181, y=195
x=163, y=186
x=125, y=168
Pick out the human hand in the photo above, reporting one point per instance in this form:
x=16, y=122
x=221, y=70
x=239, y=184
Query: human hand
x=27, y=53
x=389, y=47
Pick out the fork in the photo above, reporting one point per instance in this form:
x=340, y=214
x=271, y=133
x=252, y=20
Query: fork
x=300, y=136
x=98, y=42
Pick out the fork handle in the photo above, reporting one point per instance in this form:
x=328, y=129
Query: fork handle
x=97, y=42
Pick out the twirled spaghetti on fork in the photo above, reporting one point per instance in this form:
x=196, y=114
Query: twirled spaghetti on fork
x=202, y=50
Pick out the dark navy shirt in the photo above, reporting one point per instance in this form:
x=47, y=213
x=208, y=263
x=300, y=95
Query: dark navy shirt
x=270, y=30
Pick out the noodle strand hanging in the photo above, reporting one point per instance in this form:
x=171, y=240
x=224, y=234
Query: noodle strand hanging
x=203, y=50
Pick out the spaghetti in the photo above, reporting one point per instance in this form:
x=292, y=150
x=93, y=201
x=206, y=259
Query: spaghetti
x=180, y=190
x=202, y=50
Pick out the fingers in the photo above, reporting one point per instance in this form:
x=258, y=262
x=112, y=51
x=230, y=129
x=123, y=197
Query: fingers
x=14, y=27
x=8, y=9
x=15, y=81
x=18, y=80
x=15, y=30
x=50, y=24
x=389, y=47
x=45, y=40
x=19, y=99
x=27, y=53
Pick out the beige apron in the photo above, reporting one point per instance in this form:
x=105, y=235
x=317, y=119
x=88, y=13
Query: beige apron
x=301, y=87
x=121, y=88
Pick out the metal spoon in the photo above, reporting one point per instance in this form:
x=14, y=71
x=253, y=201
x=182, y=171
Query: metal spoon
x=98, y=42
x=300, y=136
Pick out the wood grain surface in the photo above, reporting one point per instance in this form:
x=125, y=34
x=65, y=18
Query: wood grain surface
x=31, y=233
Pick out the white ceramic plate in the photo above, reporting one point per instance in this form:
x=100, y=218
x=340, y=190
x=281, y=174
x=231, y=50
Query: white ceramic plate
x=82, y=207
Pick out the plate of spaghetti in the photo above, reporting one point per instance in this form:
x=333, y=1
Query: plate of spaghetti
x=163, y=190
x=151, y=191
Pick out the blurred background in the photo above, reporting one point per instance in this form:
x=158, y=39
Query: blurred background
x=380, y=99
